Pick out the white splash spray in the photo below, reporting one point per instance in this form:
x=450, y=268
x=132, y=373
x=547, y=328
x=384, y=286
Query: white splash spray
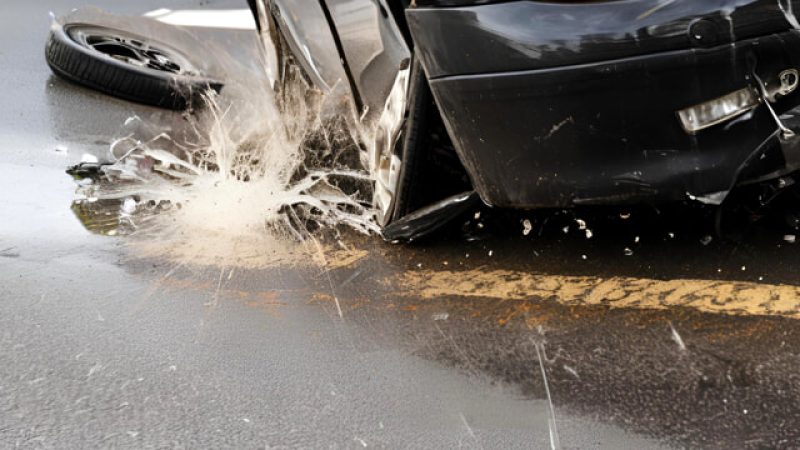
x=237, y=183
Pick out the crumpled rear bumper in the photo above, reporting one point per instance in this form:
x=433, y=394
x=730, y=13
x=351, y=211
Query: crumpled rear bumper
x=607, y=132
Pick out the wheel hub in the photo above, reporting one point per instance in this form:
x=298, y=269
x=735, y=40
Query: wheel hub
x=132, y=49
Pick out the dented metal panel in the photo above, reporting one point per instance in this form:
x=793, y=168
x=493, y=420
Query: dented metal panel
x=542, y=119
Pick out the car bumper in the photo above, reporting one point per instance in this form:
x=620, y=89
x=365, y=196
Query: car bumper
x=583, y=131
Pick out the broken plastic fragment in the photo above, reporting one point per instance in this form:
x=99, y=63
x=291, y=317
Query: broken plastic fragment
x=628, y=252
x=706, y=240
x=527, y=227
x=790, y=238
x=89, y=158
x=566, y=229
x=625, y=216
x=589, y=234
x=128, y=206
x=581, y=224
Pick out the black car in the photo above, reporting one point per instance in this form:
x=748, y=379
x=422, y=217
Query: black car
x=554, y=103
x=524, y=104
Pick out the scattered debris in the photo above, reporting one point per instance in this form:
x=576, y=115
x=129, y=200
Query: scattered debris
x=706, y=240
x=589, y=234
x=581, y=224
x=628, y=252
x=625, y=216
x=527, y=227
x=790, y=238
x=441, y=316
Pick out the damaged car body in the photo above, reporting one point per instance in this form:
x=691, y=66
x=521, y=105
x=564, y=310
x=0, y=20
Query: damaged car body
x=557, y=103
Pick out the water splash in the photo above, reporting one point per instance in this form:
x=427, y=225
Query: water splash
x=237, y=183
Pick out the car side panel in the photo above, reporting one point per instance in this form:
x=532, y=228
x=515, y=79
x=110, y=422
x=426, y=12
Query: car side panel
x=374, y=48
x=308, y=34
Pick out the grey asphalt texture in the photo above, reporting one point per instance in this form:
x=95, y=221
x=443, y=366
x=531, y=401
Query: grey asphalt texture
x=101, y=349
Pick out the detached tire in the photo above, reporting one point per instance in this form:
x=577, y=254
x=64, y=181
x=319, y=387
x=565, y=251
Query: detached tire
x=125, y=65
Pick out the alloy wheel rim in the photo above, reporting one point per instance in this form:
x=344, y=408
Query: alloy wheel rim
x=132, y=50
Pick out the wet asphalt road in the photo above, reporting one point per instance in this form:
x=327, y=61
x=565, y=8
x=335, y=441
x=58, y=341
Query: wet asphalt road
x=644, y=336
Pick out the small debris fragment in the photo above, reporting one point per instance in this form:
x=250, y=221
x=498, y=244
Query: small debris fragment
x=636, y=240
x=128, y=206
x=477, y=215
x=566, y=229
x=445, y=263
x=581, y=224
x=441, y=316
x=625, y=216
x=89, y=159
x=491, y=252
x=572, y=371
x=628, y=252
x=744, y=268
x=583, y=256
x=671, y=235
x=589, y=234
x=62, y=150
x=527, y=227
x=480, y=225
x=790, y=238
x=677, y=337
x=706, y=240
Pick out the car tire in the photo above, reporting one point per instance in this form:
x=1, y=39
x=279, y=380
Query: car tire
x=124, y=65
